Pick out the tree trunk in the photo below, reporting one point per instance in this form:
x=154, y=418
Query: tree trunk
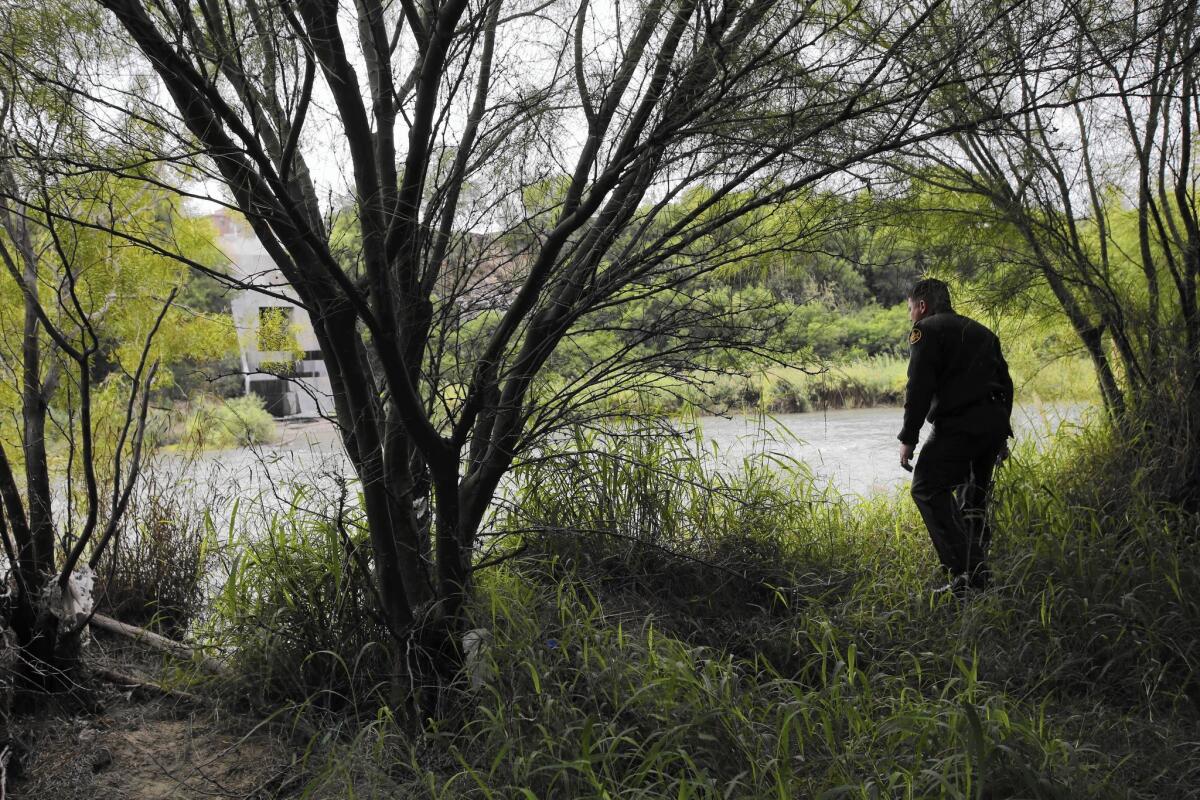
x=33, y=403
x=1110, y=391
x=453, y=550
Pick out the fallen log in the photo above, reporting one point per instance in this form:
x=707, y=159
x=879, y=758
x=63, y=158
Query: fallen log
x=142, y=686
x=159, y=642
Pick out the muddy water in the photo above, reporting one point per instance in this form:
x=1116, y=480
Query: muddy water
x=854, y=451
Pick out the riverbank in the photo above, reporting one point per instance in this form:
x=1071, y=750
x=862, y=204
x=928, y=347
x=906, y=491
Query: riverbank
x=668, y=630
x=872, y=382
x=876, y=382
x=678, y=632
x=851, y=451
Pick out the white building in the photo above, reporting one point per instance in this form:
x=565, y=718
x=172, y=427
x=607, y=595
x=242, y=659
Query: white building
x=281, y=358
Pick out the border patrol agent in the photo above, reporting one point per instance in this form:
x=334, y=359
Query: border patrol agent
x=958, y=380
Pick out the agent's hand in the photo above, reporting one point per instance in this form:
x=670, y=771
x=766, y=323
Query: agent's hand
x=906, y=454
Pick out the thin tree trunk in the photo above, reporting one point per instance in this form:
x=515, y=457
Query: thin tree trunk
x=33, y=402
x=37, y=471
x=453, y=548
x=1110, y=391
x=26, y=569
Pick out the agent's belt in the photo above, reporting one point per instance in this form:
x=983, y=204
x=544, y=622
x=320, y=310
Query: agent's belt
x=996, y=397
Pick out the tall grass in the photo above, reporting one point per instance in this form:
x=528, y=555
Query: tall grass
x=661, y=629
x=671, y=632
x=155, y=572
x=297, y=613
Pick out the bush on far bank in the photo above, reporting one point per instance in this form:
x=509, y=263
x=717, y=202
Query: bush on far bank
x=219, y=424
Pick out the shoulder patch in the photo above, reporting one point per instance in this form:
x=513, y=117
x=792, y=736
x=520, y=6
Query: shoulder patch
x=915, y=336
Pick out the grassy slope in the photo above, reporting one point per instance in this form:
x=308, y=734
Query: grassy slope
x=753, y=639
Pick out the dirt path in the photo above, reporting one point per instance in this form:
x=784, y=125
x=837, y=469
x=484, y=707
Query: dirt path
x=141, y=745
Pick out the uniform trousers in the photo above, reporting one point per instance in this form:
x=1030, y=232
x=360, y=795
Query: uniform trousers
x=952, y=480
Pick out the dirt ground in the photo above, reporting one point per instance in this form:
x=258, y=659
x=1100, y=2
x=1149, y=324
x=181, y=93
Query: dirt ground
x=116, y=741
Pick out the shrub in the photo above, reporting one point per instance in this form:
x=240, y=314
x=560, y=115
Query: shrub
x=588, y=701
x=652, y=516
x=156, y=572
x=1102, y=543
x=222, y=424
x=298, y=613
x=1093, y=622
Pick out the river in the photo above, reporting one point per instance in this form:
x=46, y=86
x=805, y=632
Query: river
x=853, y=450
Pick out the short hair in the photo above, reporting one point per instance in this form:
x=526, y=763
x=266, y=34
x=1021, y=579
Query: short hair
x=935, y=293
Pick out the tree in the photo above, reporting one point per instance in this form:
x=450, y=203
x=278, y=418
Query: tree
x=449, y=112
x=80, y=316
x=1095, y=187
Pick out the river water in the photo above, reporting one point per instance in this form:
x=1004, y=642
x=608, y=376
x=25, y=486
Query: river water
x=854, y=451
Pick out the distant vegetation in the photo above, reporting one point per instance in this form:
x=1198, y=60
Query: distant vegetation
x=218, y=423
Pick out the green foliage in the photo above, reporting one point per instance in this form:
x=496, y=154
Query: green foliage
x=845, y=334
x=838, y=359
x=821, y=247
x=235, y=422
x=276, y=332
x=122, y=290
x=606, y=708
x=1104, y=562
x=816, y=284
x=298, y=613
x=853, y=384
x=646, y=511
x=959, y=236
x=140, y=279
x=157, y=572
x=672, y=632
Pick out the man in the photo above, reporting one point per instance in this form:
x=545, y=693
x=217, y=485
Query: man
x=958, y=379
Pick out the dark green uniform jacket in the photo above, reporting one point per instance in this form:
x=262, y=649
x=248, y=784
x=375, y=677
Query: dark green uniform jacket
x=956, y=375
